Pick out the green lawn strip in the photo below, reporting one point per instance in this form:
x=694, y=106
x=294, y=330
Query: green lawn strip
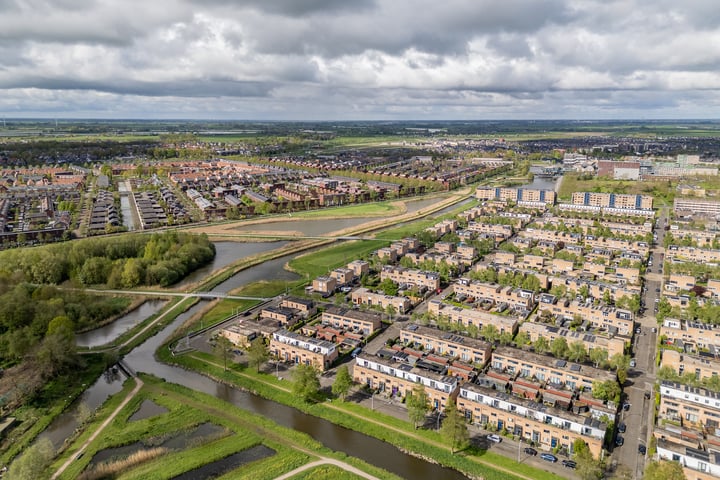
x=426, y=443
x=285, y=460
x=59, y=394
x=325, y=472
x=321, y=261
x=347, y=211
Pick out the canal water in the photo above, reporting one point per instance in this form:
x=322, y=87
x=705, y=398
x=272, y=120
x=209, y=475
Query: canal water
x=109, y=332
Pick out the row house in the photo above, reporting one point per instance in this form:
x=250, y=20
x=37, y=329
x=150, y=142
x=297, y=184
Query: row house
x=701, y=366
x=545, y=426
x=466, y=252
x=503, y=258
x=552, y=236
x=437, y=257
x=641, y=247
x=522, y=243
x=350, y=319
x=363, y=296
x=599, y=211
x=468, y=350
x=698, y=462
x=398, y=379
x=534, y=262
x=498, y=232
x=296, y=348
x=677, y=282
x=441, y=228
x=471, y=214
x=304, y=307
x=684, y=333
x=514, y=297
x=692, y=254
x=550, y=371
x=693, y=407
x=286, y=317
x=702, y=238
x=612, y=344
x=613, y=200
x=407, y=276
x=474, y=317
x=713, y=288
x=529, y=195
x=445, y=247
x=605, y=317
x=387, y=254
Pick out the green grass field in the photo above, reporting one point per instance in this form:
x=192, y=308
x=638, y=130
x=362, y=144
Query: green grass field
x=321, y=261
x=378, y=209
x=662, y=190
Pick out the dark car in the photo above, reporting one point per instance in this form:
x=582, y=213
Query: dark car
x=569, y=464
x=548, y=457
x=619, y=441
x=622, y=427
x=626, y=406
x=642, y=449
x=530, y=451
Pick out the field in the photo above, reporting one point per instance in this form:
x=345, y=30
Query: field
x=662, y=190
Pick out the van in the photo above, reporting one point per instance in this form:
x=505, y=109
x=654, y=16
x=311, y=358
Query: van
x=356, y=352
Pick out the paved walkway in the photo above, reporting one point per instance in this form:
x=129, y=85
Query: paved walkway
x=64, y=466
x=327, y=461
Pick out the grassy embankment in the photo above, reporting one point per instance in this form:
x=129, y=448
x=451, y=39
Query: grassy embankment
x=186, y=410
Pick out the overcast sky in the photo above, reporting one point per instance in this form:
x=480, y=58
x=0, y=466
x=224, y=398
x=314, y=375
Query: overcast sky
x=360, y=59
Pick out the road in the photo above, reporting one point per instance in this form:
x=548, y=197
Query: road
x=641, y=379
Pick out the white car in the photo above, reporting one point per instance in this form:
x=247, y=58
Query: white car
x=494, y=438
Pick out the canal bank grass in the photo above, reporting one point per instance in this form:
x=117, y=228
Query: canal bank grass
x=320, y=262
x=55, y=397
x=424, y=443
x=378, y=209
x=186, y=409
x=223, y=309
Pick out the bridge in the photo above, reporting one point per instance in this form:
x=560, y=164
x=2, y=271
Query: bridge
x=162, y=293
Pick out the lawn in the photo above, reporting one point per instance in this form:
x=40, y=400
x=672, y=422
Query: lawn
x=377, y=209
x=325, y=472
x=320, y=262
x=662, y=190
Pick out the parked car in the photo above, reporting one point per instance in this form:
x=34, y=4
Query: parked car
x=626, y=406
x=619, y=441
x=633, y=363
x=622, y=427
x=642, y=449
x=548, y=457
x=569, y=464
x=494, y=438
x=648, y=395
x=530, y=451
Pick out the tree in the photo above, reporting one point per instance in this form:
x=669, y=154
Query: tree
x=306, y=382
x=390, y=310
x=576, y=351
x=598, y=356
x=664, y=470
x=588, y=468
x=490, y=332
x=388, y=287
x=522, y=338
x=343, y=382
x=454, y=429
x=418, y=404
x=33, y=462
x=559, y=347
x=505, y=338
x=531, y=282
x=541, y=345
x=222, y=348
x=619, y=361
x=607, y=390
x=257, y=353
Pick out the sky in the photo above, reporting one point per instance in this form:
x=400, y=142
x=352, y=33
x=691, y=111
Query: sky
x=360, y=59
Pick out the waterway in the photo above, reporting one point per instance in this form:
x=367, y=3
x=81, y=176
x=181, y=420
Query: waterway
x=109, y=332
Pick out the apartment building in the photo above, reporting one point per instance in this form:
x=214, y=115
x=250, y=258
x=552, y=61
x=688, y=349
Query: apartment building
x=692, y=407
x=514, y=297
x=498, y=232
x=468, y=350
x=472, y=316
x=387, y=254
x=697, y=463
x=516, y=195
x=545, y=426
x=613, y=200
x=344, y=276
x=703, y=238
x=239, y=335
x=359, y=267
x=697, y=206
x=284, y=316
x=324, y=285
x=365, y=322
x=556, y=373
x=641, y=247
x=397, y=379
x=612, y=344
x=466, y=252
x=407, y=276
x=363, y=296
x=296, y=348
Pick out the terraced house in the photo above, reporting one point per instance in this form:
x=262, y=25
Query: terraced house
x=471, y=316
x=397, y=379
x=544, y=426
x=296, y=348
x=431, y=339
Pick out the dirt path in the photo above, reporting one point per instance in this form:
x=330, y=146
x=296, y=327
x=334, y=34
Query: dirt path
x=327, y=461
x=81, y=450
